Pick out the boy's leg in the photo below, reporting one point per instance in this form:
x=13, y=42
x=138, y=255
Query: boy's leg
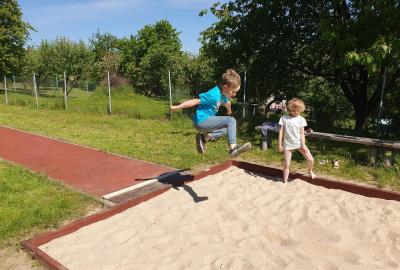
x=218, y=126
x=238, y=149
x=310, y=161
x=200, y=143
x=287, y=156
x=215, y=134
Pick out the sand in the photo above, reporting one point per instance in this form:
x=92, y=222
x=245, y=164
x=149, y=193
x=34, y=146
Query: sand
x=248, y=222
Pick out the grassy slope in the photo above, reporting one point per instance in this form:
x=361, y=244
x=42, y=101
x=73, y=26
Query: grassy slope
x=31, y=203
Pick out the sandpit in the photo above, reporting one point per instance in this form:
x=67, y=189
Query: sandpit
x=249, y=221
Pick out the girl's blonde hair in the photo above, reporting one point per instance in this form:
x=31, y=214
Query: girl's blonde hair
x=231, y=78
x=296, y=103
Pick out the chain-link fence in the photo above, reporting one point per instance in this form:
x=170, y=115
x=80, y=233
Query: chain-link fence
x=47, y=93
x=103, y=97
x=57, y=93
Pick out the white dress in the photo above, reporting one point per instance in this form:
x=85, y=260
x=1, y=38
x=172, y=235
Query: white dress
x=292, y=131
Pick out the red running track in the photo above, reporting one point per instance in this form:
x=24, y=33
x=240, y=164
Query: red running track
x=88, y=170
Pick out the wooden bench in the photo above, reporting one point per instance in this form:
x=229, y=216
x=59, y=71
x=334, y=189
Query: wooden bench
x=373, y=144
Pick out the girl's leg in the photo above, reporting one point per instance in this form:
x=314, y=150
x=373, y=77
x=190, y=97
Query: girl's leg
x=310, y=161
x=287, y=157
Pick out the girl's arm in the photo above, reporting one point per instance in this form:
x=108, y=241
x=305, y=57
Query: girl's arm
x=228, y=106
x=186, y=104
x=280, y=147
x=302, y=139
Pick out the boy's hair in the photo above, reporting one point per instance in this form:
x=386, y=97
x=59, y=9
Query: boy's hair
x=296, y=103
x=230, y=78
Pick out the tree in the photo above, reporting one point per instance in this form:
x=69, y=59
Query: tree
x=198, y=73
x=349, y=43
x=154, y=66
x=358, y=41
x=243, y=38
x=70, y=57
x=328, y=106
x=103, y=44
x=40, y=61
x=13, y=34
x=147, y=57
x=53, y=58
x=105, y=54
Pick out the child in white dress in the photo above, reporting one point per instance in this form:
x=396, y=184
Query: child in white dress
x=291, y=137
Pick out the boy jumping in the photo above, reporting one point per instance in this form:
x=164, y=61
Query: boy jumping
x=212, y=127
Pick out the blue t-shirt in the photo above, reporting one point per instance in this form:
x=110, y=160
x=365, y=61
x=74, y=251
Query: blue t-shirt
x=209, y=104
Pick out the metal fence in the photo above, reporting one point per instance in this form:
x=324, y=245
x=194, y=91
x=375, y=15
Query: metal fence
x=104, y=97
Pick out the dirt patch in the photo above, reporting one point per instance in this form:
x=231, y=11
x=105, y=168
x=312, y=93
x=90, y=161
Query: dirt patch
x=14, y=257
x=17, y=259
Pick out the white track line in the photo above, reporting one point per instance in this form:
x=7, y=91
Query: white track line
x=119, y=192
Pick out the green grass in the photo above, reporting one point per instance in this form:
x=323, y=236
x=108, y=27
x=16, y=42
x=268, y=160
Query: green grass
x=172, y=142
x=123, y=102
x=31, y=203
x=353, y=160
x=157, y=140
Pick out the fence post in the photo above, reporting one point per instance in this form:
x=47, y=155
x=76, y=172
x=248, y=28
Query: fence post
x=15, y=85
x=109, y=91
x=170, y=90
x=5, y=88
x=35, y=89
x=65, y=92
x=55, y=87
x=244, y=96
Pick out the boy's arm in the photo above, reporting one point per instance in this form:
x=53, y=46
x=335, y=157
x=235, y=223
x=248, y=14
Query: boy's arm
x=228, y=106
x=186, y=104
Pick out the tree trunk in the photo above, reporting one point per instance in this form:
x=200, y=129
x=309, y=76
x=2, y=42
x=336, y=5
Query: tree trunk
x=356, y=91
x=38, y=86
x=362, y=116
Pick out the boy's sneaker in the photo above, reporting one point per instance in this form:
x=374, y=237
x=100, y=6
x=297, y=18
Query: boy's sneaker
x=200, y=143
x=239, y=149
